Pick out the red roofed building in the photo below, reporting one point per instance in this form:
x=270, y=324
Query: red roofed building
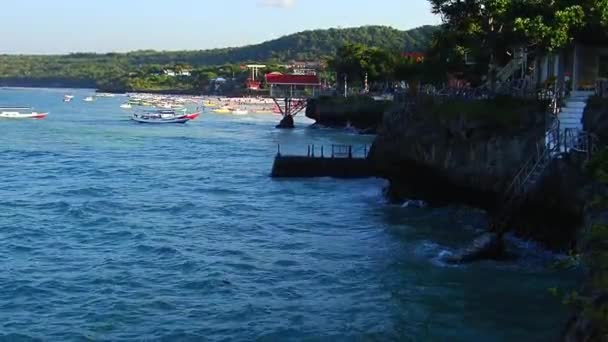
x=276, y=78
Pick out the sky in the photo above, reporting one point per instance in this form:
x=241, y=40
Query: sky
x=63, y=26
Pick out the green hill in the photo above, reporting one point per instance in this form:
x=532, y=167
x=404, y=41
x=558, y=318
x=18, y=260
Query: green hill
x=91, y=69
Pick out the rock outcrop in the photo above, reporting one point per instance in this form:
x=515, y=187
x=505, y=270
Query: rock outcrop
x=489, y=246
x=460, y=157
x=361, y=112
x=287, y=123
x=453, y=158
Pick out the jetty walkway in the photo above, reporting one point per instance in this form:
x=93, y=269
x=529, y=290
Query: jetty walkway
x=336, y=161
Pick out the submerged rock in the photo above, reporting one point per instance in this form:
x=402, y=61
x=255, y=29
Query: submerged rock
x=287, y=123
x=489, y=246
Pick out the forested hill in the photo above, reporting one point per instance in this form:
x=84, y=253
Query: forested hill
x=90, y=69
x=303, y=45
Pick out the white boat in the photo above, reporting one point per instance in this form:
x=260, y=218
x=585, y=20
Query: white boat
x=89, y=99
x=126, y=106
x=20, y=113
x=68, y=98
x=105, y=95
x=240, y=112
x=160, y=117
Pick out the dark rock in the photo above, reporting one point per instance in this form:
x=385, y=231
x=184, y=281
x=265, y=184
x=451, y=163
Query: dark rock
x=489, y=246
x=360, y=112
x=287, y=123
x=451, y=159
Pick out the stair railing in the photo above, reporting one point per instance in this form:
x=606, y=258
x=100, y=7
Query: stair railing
x=580, y=141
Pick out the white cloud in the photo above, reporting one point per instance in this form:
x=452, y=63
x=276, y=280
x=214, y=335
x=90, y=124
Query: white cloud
x=277, y=3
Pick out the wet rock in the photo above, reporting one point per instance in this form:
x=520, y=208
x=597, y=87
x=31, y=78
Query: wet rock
x=287, y=123
x=489, y=246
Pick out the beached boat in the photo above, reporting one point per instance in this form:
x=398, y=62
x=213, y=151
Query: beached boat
x=160, y=117
x=20, y=113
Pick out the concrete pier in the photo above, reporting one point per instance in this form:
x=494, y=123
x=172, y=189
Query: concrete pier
x=339, y=162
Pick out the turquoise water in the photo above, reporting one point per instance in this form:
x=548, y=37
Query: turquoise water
x=112, y=230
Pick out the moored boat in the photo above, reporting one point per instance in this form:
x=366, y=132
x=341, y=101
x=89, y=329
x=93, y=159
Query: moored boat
x=193, y=116
x=160, y=117
x=223, y=110
x=126, y=106
x=89, y=99
x=20, y=113
x=68, y=98
x=240, y=111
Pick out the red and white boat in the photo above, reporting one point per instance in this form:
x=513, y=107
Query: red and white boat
x=20, y=113
x=193, y=116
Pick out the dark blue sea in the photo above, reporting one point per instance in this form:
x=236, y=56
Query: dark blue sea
x=116, y=231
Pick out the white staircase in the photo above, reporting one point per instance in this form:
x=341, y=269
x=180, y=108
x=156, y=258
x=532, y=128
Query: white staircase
x=571, y=116
x=565, y=135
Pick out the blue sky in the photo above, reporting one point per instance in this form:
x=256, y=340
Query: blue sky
x=60, y=26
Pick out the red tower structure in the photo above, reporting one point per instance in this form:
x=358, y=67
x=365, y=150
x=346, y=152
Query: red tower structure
x=290, y=94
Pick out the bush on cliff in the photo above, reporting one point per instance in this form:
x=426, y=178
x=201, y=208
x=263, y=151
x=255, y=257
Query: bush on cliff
x=500, y=112
x=592, y=305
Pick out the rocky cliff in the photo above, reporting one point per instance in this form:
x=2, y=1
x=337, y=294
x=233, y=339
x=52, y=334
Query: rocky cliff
x=468, y=152
x=361, y=112
x=454, y=156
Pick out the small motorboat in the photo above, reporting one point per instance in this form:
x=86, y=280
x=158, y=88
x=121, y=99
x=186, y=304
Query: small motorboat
x=89, y=99
x=160, y=117
x=126, y=106
x=240, y=111
x=68, y=98
x=20, y=113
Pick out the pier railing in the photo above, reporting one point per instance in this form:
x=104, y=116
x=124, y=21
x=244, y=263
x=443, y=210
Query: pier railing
x=330, y=151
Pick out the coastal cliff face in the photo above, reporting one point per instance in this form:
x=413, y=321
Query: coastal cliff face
x=452, y=153
x=590, y=302
x=453, y=157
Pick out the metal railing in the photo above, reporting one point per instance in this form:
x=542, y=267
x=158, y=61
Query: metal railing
x=331, y=151
x=577, y=140
x=536, y=164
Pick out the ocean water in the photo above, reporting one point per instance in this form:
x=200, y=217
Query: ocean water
x=112, y=230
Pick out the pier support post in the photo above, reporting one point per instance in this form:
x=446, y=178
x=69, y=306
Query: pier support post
x=350, y=152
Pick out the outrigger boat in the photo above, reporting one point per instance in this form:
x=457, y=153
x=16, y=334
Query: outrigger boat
x=20, y=113
x=182, y=111
x=163, y=116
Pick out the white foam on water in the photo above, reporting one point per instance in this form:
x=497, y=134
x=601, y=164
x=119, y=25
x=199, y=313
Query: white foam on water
x=414, y=204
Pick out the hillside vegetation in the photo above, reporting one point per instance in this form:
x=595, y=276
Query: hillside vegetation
x=105, y=70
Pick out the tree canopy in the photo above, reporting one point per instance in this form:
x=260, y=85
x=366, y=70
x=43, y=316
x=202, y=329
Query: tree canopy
x=545, y=24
